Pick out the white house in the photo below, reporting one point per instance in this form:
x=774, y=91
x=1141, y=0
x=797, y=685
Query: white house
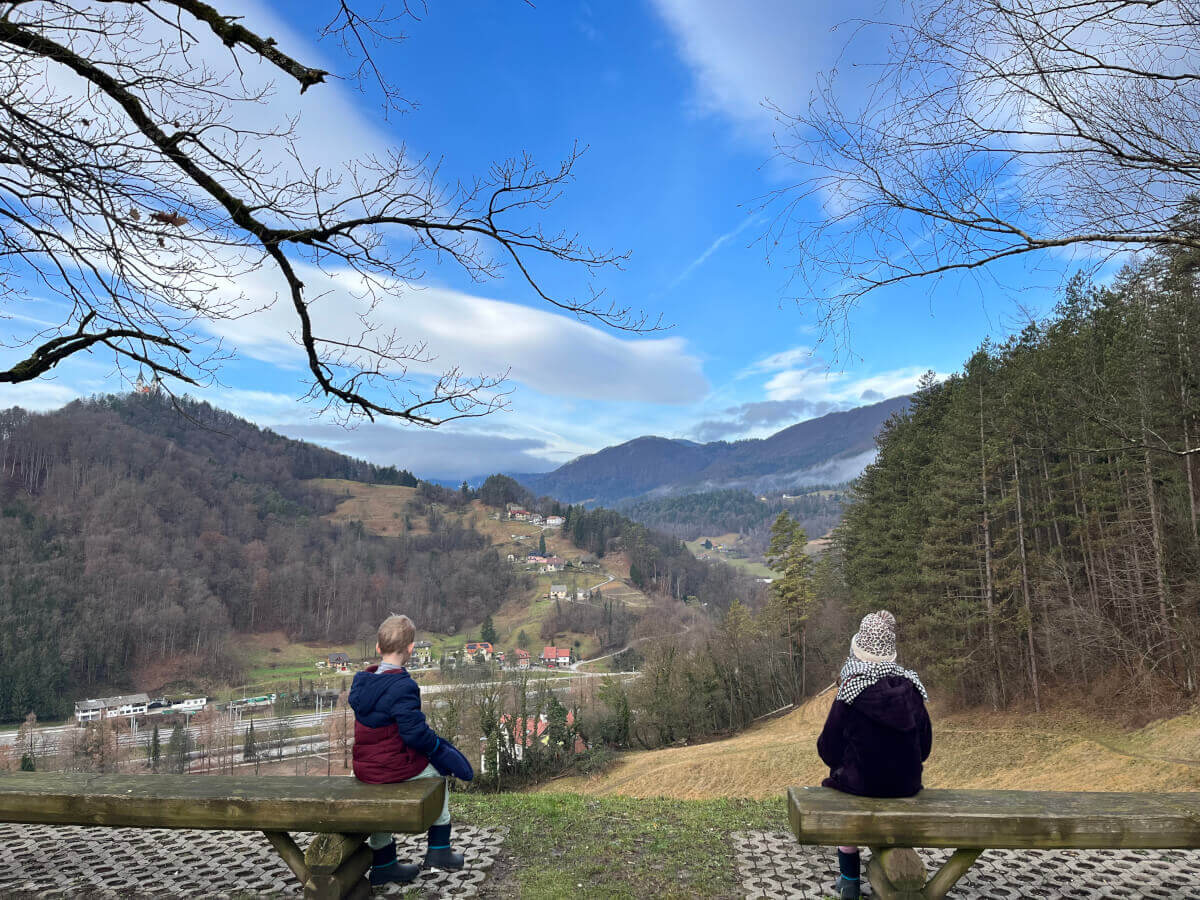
x=558, y=592
x=121, y=706
x=555, y=521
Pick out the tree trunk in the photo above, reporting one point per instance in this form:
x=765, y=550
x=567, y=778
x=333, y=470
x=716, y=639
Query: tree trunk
x=1033, y=675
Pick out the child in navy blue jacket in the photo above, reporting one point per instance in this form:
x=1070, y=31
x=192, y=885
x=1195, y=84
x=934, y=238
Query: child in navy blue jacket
x=878, y=734
x=393, y=742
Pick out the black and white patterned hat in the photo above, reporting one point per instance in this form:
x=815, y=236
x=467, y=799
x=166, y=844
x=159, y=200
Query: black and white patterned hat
x=876, y=638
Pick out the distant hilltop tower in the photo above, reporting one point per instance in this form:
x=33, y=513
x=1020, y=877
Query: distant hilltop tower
x=142, y=386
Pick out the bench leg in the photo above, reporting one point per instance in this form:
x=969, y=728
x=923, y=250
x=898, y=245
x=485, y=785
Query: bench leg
x=337, y=867
x=897, y=873
x=290, y=853
x=956, y=866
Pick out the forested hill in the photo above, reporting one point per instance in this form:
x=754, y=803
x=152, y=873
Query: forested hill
x=131, y=531
x=1035, y=520
x=828, y=449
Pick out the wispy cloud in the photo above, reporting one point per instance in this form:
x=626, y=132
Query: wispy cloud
x=712, y=248
x=554, y=354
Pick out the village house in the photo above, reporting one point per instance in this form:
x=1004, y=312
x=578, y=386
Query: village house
x=553, y=564
x=556, y=657
x=522, y=658
x=558, y=592
x=121, y=706
x=536, y=560
x=535, y=519
x=339, y=661
x=536, y=729
x=422, y=653
x=555, y=521
x=471, y=649
x=521, y=515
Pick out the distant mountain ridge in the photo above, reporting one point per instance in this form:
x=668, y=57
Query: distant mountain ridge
x=832, y=448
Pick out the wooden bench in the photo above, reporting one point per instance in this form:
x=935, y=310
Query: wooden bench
x=974, y=821
x=342, y=810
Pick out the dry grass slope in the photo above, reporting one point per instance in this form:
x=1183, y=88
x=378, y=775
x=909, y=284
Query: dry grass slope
x=970, y=751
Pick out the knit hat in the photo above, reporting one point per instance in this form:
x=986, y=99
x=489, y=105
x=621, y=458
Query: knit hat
x=876, y=638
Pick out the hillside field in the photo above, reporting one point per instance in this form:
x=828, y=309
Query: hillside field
x=383, y=509
x=1052, y=751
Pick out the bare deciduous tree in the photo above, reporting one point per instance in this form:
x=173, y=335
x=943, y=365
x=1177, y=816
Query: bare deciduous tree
x=138, y=188
x=995, y=129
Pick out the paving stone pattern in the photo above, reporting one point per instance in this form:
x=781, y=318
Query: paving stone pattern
x=772, y=864
x=78, y=862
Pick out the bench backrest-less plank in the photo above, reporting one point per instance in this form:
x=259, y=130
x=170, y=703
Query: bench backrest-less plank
x=974, y=821
x=342, y=810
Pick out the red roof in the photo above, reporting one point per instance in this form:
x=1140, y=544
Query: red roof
x=522, y=653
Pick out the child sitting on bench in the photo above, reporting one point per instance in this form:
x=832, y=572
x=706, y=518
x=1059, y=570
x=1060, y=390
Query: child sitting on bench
x=878, y=734
x=392, y=743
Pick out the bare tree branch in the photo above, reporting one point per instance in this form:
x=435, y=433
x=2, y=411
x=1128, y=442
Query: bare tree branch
x=130, y=192
x=996, y=129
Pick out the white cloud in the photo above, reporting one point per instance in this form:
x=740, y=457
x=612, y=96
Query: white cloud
x=553, y=354
x=448, y=452
x=818, y=383
x=37, y=396
x=744, y=53
x=785, y=359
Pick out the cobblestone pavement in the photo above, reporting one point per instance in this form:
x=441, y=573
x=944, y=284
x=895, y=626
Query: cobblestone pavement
x=77, y=862
x=772, y=864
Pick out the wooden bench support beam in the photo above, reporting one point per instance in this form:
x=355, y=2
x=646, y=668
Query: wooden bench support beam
x=947, y=876
x=337, y=865
x=897, y=873
x=290, y=852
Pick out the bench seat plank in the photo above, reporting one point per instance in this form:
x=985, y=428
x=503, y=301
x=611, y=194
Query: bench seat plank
x=236, y=803
x=1015, y=820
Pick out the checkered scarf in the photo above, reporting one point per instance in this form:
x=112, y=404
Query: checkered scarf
x=856, y=676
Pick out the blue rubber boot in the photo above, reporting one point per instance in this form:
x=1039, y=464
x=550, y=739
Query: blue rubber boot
x=849, y=881
x=385, y=869
x=439, y=855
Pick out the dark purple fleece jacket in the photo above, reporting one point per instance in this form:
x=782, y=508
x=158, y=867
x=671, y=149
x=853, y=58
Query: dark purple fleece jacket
x=876, y=745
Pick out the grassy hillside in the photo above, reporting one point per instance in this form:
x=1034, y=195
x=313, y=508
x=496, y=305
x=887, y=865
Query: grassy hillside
x=388, y=510
x=1054, y=751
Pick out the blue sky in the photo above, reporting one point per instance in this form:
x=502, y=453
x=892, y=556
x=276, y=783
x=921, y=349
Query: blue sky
x=667, y=95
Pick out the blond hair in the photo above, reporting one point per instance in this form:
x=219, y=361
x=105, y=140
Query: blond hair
x=396, y=634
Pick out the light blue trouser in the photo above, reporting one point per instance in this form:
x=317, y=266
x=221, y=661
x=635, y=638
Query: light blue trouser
x=381, y=839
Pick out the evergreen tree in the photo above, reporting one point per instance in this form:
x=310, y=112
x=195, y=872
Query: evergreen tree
x=523, y=639
x=792, y=594
x=542, y=544
x=155, y=750
x=249, y=747
x=487, y=631
x=177, y=751
x=27, y=762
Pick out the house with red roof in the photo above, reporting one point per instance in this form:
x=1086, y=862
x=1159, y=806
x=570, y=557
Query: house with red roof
x=521, y=658
x=556, y=657
x=536, y=729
